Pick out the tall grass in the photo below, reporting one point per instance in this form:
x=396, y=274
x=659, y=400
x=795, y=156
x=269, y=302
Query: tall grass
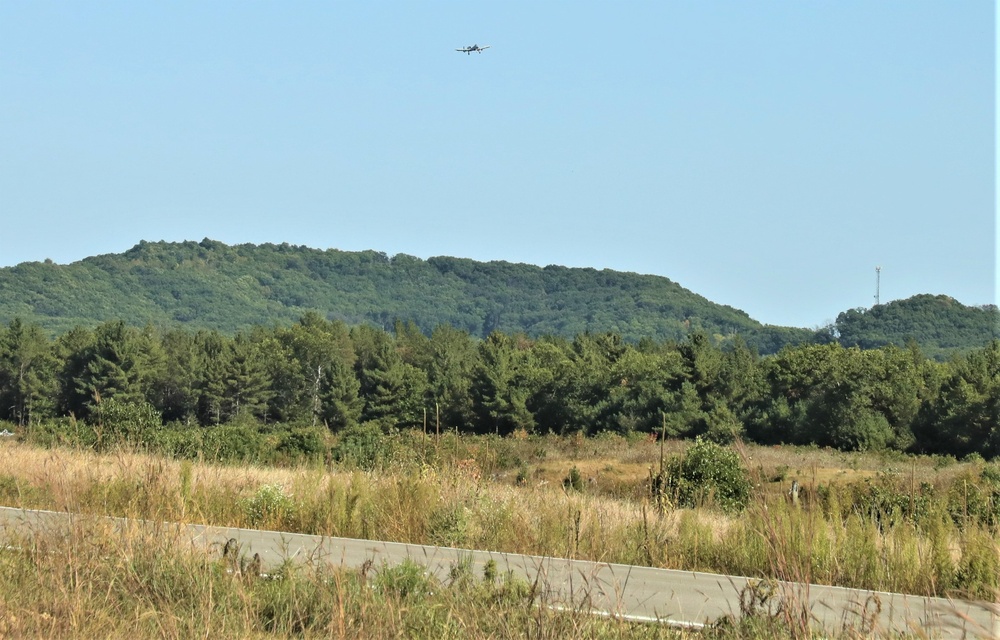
x=866, y=535
x=97, y=582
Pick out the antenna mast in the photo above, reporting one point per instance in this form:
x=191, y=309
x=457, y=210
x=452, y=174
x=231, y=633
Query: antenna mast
x=878, y=277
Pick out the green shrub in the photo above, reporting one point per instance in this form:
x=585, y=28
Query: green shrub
x=709, y=472
x=404, y=580
x=979, y=569
x=862, y=430
x=121, y=422
x=573, y=480
x=974, y=498
x=60, y=431
x=448, y=525
x=234, y=442
x=365, y=446
x=303, y=443
x=270, y=506
x=722, y=427
x=178, y=441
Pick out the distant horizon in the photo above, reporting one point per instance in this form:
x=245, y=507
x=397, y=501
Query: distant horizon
x=541, y=266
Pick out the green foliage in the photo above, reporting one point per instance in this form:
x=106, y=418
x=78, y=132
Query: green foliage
x=269, y=507
x=846, y=398
x=573, y=480
x=963, y=417
x=323, y=374
x=884, y=500
x=236, y=442
x=500, y=385
x=709, y=473
x=209, y=285
x=299, y=443
x=939, y=324
x=448, y=525
x=974, y=497
x=177, y=441
x=122, y=422
x=404, y=580
x=365, y=446
x=27, y=373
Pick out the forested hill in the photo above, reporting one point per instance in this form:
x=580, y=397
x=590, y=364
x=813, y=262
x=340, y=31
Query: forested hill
x=939, y=324
x=209, y=285
x=214, y=286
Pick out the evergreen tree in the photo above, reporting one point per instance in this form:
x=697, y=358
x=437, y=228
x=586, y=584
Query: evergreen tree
x=247, y=383
x=317, y=354
x=964, y=417
x=644, y=388
x=340, y=404
x=453, y=358
x=27, y=373
x=176, y=394
x=122, y=362
x=499, y=390
x=393, y=391
x=72, y=350
x=212, y=386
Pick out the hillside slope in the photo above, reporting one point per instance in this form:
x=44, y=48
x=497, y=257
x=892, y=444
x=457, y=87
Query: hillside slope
x=939, y=324
x=214, y=286
x=209, y=285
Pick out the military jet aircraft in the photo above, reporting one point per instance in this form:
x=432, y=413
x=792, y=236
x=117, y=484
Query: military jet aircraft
x=475, y=47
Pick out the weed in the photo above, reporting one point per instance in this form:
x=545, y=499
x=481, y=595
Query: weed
x=364, y=446
x=573, y=480
x=405, y=580
x=490, y=571
x=269, y=507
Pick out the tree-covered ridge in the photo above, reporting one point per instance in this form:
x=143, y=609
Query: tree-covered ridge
x=209, y=285
x=939, y=324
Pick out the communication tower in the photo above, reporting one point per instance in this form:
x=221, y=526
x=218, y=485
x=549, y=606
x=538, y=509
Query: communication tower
x=878, y=276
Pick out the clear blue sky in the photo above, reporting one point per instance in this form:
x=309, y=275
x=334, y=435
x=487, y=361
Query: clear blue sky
x=767, y=155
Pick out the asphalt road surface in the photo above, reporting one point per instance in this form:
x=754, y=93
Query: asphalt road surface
x=632, y=592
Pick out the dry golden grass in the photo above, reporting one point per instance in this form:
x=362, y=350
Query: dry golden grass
x=100, y=582
x=457, y=504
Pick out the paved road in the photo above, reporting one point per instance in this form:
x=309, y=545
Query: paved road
x=637, y=593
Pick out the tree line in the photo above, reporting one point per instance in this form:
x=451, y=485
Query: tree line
x=326, y=373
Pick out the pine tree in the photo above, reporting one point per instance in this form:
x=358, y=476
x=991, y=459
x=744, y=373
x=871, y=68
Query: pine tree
x=27, y=373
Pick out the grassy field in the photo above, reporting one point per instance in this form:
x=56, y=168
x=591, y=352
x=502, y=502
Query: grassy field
x=917, y=525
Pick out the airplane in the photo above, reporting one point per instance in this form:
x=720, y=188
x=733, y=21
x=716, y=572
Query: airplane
x=475, y=47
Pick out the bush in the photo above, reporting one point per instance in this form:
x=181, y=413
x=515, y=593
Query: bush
x=863, y=430
x=120, y=422
x=709, y=472
x=974, y=497
x=178, y=441
x=574, y=480
x=60, y=431
x=233, y=443
x=303, y=442
x=365, y=446
x=270, y=506
x=404, y=580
